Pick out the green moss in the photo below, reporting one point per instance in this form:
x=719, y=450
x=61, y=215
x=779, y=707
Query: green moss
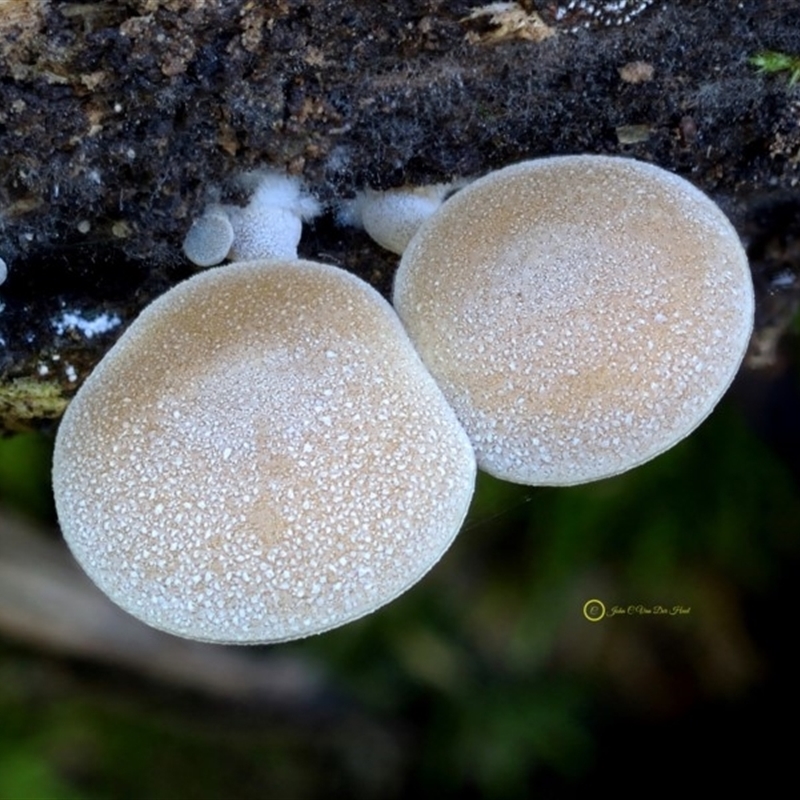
x=25, y=474
x=771, y=61
x=23, y=401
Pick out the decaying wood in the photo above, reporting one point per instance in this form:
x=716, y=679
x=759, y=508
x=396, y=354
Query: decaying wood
x=119, y=121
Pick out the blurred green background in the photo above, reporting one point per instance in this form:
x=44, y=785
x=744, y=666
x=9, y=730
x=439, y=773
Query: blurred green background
x=486, y=679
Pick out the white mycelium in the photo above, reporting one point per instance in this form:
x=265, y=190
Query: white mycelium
x=262, y=456
x=582, y=314
x=584, y=13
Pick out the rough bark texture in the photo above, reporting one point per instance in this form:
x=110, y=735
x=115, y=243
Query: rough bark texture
x=119, y=121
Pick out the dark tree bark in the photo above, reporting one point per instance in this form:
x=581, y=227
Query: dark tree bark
x=119, y=121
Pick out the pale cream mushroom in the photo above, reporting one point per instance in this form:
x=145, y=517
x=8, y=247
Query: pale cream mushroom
x=262, y=456
x=582, y=314
x=393, y=216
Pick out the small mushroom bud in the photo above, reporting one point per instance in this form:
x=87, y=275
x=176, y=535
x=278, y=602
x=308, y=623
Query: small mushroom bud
x=392, y=217
x=209, y=240
x=269, y=226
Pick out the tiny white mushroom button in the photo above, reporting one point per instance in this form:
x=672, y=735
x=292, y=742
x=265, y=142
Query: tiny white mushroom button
x=210, y=238
x=393, y=216
x=268, y=227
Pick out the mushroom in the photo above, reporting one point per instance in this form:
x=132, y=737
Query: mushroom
x=210, y=238
x=393, y=216
x=582, y=314
x=262, y=456
x=269, y=226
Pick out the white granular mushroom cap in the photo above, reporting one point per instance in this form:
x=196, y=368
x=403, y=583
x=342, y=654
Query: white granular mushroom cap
x=582, y=314
x=393, y=216
x=210, y=238
x=262, y=456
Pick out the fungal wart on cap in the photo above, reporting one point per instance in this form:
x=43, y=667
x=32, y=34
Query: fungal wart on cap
x=582, y=314
x=262, y=456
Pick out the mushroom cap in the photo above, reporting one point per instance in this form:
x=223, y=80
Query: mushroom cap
x=262, y=456
x=393, y=216
x=210, y=238
x=582, y=314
